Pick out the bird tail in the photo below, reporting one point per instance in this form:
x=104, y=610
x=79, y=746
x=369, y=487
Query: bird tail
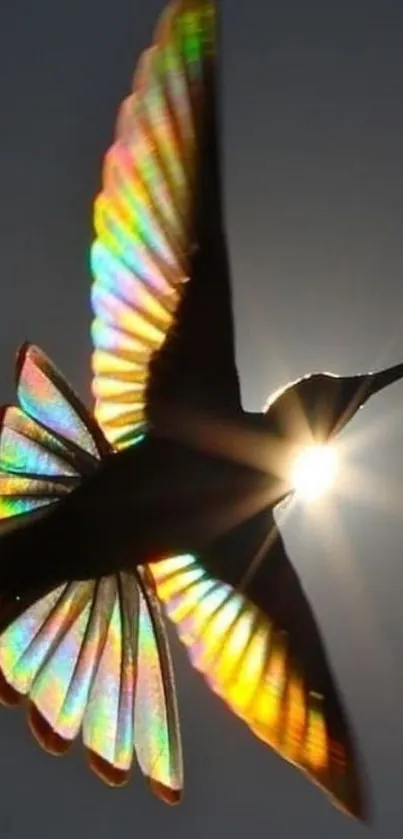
x=92, y=655
x=49, y=446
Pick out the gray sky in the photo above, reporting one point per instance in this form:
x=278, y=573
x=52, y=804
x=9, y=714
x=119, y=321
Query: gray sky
x=313, y=130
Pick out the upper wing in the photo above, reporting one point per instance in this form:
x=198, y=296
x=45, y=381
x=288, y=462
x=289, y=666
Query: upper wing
x=256, y=641
x=163, y=328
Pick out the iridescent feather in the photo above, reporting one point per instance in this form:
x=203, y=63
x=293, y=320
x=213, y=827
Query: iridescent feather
x=245, y=659
x=40, y=460
x=143, y=216
x=94, y=656
x=89, y=656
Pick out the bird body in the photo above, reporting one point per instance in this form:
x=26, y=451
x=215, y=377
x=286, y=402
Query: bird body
x=166, y=495
x=154, y=500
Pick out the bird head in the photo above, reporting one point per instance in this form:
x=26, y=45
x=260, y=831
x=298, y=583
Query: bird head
x=313, y=409
x=320, y=405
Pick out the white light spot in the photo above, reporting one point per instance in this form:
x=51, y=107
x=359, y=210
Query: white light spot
x=314, y=471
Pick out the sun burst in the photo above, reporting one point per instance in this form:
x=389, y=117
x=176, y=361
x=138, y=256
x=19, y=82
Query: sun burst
x=314, y=471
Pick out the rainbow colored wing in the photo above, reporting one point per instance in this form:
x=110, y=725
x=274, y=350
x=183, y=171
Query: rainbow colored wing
x=250, y=663
x=144, y=215
x=89, y=656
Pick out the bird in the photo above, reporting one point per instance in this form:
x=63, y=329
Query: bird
x=161, y=499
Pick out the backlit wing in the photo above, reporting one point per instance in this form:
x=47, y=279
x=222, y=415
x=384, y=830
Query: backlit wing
x=259, y=648
x=88, y=656
x=163, y=329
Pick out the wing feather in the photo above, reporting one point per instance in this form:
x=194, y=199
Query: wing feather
x=145, y=214
x=249, y=660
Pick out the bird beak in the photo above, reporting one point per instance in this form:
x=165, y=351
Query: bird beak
x=378, y=381
x=365, y=386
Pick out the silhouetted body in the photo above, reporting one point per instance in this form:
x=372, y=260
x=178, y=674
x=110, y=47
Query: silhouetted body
x=186, y=485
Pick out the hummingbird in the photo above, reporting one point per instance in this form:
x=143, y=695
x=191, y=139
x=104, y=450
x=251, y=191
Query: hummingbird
x=161, y=500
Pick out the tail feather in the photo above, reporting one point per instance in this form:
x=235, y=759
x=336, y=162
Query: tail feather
x=89, y=656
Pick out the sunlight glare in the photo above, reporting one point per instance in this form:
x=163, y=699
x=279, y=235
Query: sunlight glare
x=314, y=472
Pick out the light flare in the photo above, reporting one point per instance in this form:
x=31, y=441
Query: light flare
x=314, y=471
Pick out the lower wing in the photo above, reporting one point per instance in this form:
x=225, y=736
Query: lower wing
x=254, y=638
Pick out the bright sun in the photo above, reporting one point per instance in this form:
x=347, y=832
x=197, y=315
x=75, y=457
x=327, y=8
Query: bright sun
x=314, y=472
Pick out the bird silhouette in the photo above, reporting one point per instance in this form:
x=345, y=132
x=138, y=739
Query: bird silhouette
x=165, y=497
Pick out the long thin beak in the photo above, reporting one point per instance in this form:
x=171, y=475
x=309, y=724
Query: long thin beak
x=378, y=381
x=358, y=389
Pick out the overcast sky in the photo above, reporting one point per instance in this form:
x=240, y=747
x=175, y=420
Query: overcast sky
x=313, y=150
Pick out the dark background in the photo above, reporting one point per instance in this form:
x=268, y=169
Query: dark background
x=313, y=130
